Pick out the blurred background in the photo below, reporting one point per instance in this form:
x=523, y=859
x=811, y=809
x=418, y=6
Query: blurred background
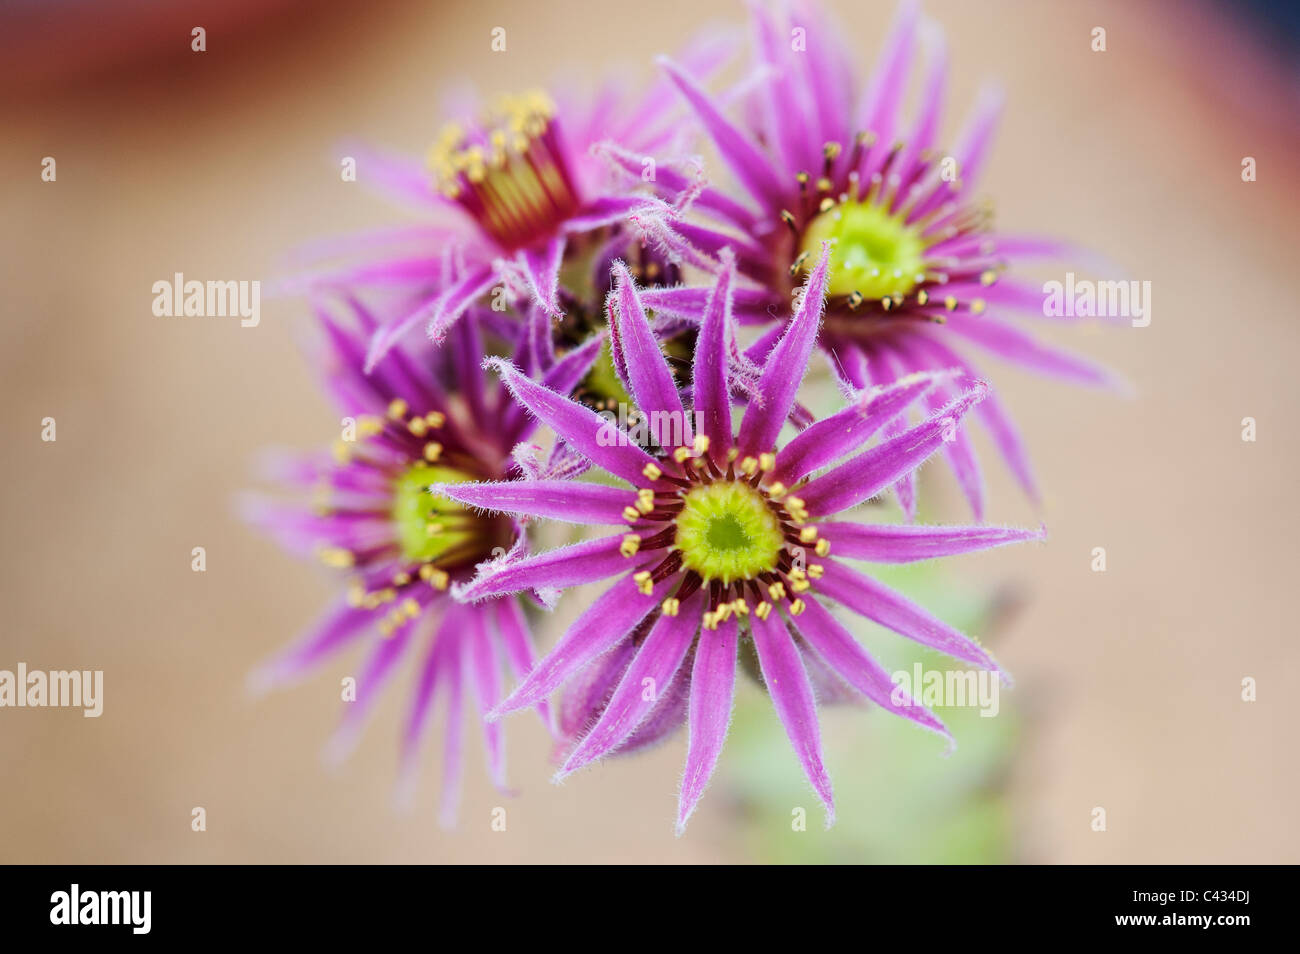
x=215, y=164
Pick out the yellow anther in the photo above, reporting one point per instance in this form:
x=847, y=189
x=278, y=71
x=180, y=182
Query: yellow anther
x=681, y=454
x=439, y=579
x=435, y=419
x=776, y=491
x=797, y=607
x=701, y=443
x=631, y=514
x=643, y=582
x=763, y=610
x=922, y=297
x=732, y=454
x=950, y=303
x=387, y=594
x=370, y=601
x=815, y=571
x=977, y=306
x=645, y=500
x=337, y=557
x=740, y=606
x=368, y=425
x=807, y=534
x=800, y=586
x=411, y=608
x=766, y=462
x=749, y=466
x=432, y=451
x=630, y=544
x=401, y=578
x=385, y=628
x=397, y=409
x=988, y=277
x=723, y=612
x=356, y=595
x=672, y=606
x=418, y=426
x=652, y=471
x=342, y=451
x=776, y=591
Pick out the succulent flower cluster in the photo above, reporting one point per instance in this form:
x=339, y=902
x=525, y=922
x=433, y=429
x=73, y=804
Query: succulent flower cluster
x=579, y=257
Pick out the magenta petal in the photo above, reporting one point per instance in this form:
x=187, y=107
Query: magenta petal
x=596, y=438
x=432, y=674
x=785, y=366
x=564, y=375
x=897, y=543
x=845, y=431
x=379, y=669
x=995, y=419
x=711, y=392
x=440, y=314
x=1014, y=345
x=883, y=605
x=609, y=619
x=845, y=656
x=713, y=681
x=339, y=628
x=959, y=448
x=883, y=100
x=558, y=568
x=746, y=161
x=519, y=648
x=541, y=270
x=865, y=475
x=649, y=376
x=453, y=748
x=792, y=697
x=485, y=670
x=566, y=500
x=586, y=693
x=650, y=674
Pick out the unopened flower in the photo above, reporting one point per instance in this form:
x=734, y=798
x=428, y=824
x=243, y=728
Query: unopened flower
x=918, y=271
x=728, y=535
x=418, y=419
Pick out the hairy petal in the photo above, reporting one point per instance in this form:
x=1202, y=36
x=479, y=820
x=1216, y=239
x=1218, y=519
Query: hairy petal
x=792, y=697
x=785, y=366
x=845, y=656
x=713, y=682
x=582, y=428
x=907, y=543
x=890, y=609
x=566, y=500
x=558, y=568
x=609, y=619
x=845, y=431
x=657, y=660
x=865, y=475
x=648, y=373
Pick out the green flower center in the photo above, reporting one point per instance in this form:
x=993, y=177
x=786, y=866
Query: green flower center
x=428, y=526
x=876, y=254
x=726, y=531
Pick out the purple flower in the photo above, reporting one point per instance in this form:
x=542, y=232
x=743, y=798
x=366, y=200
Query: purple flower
x=416, y=420
x=523, y=195
x=730, y=535
x=918, y=271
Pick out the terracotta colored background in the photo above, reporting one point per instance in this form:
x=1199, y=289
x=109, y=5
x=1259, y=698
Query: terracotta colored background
x=215, y=164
